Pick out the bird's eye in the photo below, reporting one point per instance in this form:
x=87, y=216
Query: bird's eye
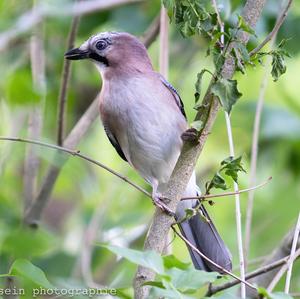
x=101, y=45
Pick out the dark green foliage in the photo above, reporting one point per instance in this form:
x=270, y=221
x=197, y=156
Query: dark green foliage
x=191, y=17
x=230, y=167
x=227, y=92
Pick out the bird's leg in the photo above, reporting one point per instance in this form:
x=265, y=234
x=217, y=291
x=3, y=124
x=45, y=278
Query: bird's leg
x=158, y=200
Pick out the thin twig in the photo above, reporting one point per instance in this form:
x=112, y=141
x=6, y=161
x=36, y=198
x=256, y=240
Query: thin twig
x=279, y=252
x=35, y=118
x=208, y=196
x=283, y=269
x=278, y=24
x=65, y=76
x=237, y=210
x=253, y=163
x=212, y=262
x=78, y=154
x=235, y=185
x=254, y=147
x=293, y=250
x=257, y=272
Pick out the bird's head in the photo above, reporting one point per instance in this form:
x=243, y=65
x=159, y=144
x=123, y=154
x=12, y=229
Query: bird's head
x=113, y=50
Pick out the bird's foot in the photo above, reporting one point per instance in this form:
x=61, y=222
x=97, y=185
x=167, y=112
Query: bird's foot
x=159, y=202
x=190, y=135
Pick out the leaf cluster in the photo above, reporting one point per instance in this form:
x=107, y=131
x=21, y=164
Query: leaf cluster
x=191, y=17
x=229, y=167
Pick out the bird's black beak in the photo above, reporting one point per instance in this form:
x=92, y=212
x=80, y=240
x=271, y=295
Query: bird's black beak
x=76, y=54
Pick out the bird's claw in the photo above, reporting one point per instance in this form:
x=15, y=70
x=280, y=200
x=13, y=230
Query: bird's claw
x=159, y=202
x=190, y=135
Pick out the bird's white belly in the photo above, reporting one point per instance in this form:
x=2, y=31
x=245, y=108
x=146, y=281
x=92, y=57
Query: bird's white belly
x=148, y=132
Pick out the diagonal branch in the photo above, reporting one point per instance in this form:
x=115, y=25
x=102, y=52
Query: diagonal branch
x=35, y=122
x=64, y=82
x=213, y=290
x=283, y=250
x=186, y=163
x=239, y=280
x=255, y=139
x=278, y=24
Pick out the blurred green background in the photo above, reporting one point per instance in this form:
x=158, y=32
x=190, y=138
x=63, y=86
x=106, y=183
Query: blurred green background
x=89, y=202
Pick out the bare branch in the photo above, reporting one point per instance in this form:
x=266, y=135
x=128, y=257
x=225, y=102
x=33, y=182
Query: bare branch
x=65, y=76
x=186, y=163
x=82, y=156
x=278, y=24
x=35, y=122
x=238, y=219
x=33, y=17
x=151, y=33
x=284, y=268
x=262, y=270
x=283, y=250
x=239, y=280
x=208, y=196
x=293, y=250
x=254, y=147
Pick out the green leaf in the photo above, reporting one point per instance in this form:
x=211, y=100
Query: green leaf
x=244, y=26
x=148, y=259
x=157, y=284
x=26, y=270
x=189, y=213
x=24, y=243
x=191, y=279
x=19, y=88
x=218, y=58
x=166, y=293
x=197, y=125
x=232, y=166
x=198, y=86
x=217, y=182
x=227, y=92
x=170, y=261
x=278, y=63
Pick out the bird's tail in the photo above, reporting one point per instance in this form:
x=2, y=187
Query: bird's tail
x=204, y=236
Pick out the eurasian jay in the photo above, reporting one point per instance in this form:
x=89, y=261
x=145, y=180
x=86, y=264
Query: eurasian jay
x=144, y=119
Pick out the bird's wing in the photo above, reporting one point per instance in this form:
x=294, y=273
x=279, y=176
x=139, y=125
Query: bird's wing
x=175, y=94
x=113, y=140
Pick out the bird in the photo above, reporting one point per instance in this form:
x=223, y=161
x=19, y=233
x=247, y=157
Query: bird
x=144, y=119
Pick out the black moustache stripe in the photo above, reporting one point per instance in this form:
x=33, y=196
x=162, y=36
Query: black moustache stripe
x=99, y=58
